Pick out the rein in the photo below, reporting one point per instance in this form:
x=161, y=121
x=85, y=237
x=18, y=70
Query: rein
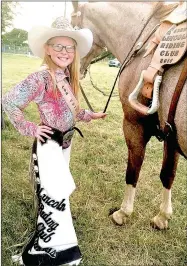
x=124, y=64
x=85, y=97
x=126, y=60
x=95, y=87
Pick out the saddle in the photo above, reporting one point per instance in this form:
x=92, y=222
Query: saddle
x=168, y=45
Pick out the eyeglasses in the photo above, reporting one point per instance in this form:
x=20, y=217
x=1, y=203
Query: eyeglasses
x=59, y=48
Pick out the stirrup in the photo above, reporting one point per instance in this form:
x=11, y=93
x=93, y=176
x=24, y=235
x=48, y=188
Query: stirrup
x=134, y=95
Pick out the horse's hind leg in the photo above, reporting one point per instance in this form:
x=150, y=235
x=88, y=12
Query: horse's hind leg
x=167, y=175
x=136, y=141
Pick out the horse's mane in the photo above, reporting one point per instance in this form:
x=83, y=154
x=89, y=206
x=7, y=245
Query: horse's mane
x=161, y=10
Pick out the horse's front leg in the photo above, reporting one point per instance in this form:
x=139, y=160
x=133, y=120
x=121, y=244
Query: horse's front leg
x=136, y=140
x=167, y=175
x=119, y=217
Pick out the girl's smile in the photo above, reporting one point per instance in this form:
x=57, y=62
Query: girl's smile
x=65, y=56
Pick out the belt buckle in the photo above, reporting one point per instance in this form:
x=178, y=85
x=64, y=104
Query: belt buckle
x=68, y=135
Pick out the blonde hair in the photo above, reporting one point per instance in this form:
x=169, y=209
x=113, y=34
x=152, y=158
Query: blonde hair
x=73, y=68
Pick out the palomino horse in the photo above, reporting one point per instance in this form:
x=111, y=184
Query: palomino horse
x=117, y=26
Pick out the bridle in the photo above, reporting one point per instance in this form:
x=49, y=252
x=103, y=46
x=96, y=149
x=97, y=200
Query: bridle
x=130, y=56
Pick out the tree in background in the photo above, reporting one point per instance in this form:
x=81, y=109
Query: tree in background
x=7, y=14
x=16, y=37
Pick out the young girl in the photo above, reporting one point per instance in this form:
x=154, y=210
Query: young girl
x=55, y=91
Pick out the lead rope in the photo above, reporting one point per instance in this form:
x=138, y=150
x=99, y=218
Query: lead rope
x=85, y=97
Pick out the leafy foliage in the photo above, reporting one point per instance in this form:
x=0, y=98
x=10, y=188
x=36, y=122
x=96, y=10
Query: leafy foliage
x=7, y=14
x=15, y=37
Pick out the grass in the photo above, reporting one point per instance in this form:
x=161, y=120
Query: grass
x=98, y=163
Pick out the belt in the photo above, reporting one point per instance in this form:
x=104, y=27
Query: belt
x=62, y=138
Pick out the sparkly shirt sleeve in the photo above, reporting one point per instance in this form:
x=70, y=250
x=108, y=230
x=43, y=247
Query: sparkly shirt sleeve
x=18, y=98
x=84, y=115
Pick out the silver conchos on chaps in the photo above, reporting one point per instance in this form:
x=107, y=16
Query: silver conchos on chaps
x=170, y=43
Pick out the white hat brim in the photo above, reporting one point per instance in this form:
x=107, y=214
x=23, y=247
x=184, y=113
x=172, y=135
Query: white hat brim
x=39, y=35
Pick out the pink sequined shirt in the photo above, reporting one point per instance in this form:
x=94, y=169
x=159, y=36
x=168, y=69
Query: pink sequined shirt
x=54, y=111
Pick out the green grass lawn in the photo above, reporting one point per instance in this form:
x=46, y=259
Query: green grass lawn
x=98, y=164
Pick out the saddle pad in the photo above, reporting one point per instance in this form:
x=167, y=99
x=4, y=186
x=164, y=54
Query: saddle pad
x=171, y=48
x=169, y=51
x=173, y=45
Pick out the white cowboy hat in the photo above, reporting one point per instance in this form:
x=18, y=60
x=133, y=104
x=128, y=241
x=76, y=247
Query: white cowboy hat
x=39, y=35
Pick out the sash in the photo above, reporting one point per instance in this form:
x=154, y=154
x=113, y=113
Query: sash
x=68, y=95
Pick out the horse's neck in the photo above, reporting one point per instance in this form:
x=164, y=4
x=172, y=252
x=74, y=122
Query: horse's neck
x=118, y=24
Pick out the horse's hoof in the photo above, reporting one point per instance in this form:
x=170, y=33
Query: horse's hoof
x=159, y=224
x=114, y=221
x=118, y=218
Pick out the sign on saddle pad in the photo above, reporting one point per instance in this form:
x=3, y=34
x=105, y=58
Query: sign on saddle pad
x=172, y=45
x=169, y=51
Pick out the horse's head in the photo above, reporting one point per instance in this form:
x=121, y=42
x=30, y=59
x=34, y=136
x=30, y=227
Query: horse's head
x=78, y=19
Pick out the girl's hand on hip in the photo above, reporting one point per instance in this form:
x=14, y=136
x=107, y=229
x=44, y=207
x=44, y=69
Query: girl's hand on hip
x=98, y=115
x=41, y=132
